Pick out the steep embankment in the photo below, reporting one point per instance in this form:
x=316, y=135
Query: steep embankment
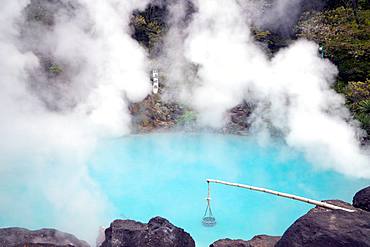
x=342, y=31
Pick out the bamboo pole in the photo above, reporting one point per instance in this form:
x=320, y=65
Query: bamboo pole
x=286, y=195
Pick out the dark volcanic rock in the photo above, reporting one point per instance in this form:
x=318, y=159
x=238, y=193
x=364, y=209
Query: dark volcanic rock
x=45, y=12
x=256, y=241
x=159, y=232
x=151, y=24
x=239, y=122
x=362, y=199
x=20, y=237
x=324, y=227
x=152, y=114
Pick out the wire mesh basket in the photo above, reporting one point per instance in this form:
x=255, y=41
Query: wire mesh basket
x=208, y=219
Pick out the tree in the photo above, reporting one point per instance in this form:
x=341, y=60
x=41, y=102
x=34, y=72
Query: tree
x=354, y=5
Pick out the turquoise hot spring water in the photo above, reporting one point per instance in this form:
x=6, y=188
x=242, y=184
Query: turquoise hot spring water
x=164, y=174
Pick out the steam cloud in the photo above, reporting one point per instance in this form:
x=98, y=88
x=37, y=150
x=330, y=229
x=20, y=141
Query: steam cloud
x=291, y=92
x=212, y=64
x=53, y=123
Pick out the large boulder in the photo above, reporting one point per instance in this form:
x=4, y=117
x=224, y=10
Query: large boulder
x=362, y=199
x=159, y=232
x=20, y=237
x=256, y=241
x=239, y=119
x=322, y=227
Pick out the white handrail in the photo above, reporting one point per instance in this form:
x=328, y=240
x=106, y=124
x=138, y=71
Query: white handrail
x=286, y=195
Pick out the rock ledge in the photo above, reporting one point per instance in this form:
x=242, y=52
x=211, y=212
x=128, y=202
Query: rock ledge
x=256, y=241
x=20, y=237
x=159, y=232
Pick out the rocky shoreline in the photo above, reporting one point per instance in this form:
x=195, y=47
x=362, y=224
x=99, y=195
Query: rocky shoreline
x=319, y=227
x=154, y=114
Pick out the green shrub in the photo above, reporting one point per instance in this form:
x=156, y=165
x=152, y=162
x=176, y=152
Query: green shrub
x=186, y=118
x=55, y=69
x=358, y=100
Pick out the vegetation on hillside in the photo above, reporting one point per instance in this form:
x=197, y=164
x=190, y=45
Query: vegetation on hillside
x=345, y=42
x=345, y=36
x=149, y=27
x=147, y=32
x=358, y=100
x=342, y=28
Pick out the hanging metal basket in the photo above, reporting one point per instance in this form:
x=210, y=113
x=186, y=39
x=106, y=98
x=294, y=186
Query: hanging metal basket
x=208, y=219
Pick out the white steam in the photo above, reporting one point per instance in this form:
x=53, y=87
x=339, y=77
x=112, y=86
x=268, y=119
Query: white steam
x=275, y=15
x=49, y=129
x=172, y=61
x=292, y=91
x=119, y=63
x=51, y=123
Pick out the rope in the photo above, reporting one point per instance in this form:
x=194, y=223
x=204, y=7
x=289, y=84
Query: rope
x=209, y=191
x=205, y=213
x=209, y=200
x=208, y=209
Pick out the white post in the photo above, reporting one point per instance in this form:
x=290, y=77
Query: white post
x=155, y=78
x=294, y=197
